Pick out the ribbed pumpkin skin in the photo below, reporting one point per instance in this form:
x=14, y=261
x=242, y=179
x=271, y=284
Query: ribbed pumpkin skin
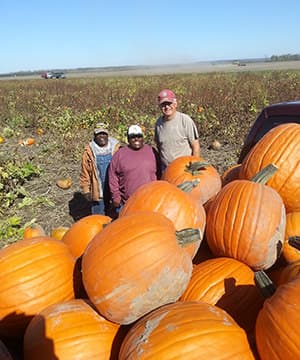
x=135, y=265
x=281, y=147
x=165, y=198
x=292, y=228
x=59, y=232
x=210, y=180
x=186, y=330
x=277, y=325
x=232, y=173
x=82, y=232
x=229, y=284
x=34, y=273
x=246, y=221
x=68, y=331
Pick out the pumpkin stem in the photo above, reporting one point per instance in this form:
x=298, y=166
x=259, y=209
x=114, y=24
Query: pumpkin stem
x=294, y=241
x=265, y=174
x=195, y=167
x=188, y=186
x=264, y=283
x=188, y=236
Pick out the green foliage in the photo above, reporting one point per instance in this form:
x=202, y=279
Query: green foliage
x=13, y=175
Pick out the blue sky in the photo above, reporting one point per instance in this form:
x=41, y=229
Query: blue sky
x=42, y=35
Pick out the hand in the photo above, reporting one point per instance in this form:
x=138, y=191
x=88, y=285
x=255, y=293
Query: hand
x=116, y=204
x=87, y=196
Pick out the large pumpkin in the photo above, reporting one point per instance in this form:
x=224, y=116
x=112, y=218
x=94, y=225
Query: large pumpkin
x=230, y=174
x=280, y=146
x=277, y=325
x=34, y=273
x=246, y=221
x=186, y=330
x=67, y=331
x=82, y=232
x=165, y=198
x=135, y=265
x=229, y=284
x=191, y=168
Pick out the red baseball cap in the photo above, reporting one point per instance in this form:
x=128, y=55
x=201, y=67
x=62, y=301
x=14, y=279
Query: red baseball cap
x=166, y=95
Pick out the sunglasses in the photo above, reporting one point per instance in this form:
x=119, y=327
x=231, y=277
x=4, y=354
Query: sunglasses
x=133, y=136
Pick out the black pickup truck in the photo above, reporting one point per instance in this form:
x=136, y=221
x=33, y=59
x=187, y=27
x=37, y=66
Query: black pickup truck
x=270, y=116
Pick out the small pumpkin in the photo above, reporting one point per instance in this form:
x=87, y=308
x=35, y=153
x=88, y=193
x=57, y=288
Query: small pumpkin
x=79, y=235
x=186, y=330
x=33, y=230
x=64, y=184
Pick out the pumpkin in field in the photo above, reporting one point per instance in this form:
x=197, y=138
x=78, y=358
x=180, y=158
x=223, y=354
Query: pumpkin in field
x=64, y=183
x=33, y=230
x=82, y=232
x=34, y=273
x=191, y=168
x=229, y=284
x=67, y=331
x=288, y=273
x=186, y=330
x=135, y=265
x=58, y=232
x=246, y=221
x=232, y=173
x=165, y=198
x=292, y=228
x=280, y=146
x=277, y=326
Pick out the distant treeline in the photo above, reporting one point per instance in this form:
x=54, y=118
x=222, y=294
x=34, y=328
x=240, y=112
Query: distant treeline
x=286, y=57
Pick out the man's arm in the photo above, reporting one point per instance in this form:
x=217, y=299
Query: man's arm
x=195, y=145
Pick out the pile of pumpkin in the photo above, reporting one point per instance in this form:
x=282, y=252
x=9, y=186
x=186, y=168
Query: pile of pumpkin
x=174, y=276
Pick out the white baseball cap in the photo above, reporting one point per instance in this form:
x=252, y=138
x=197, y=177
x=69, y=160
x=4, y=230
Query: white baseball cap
x=135, y=130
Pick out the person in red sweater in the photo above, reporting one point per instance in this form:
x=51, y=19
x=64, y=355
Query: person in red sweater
x=132, y=166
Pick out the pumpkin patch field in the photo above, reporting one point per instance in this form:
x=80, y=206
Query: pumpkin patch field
x=201, y=264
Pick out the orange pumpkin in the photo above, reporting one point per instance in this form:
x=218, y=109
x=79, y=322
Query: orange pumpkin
x=135, y=265
x=232, y=173
x=246, y=221
x=33, y=230
x=280, y=146
x=67, y=331
x=186, y=330
x=191, y=168
x=34, y=273
x=59, y=232
x=82, y=232
x=292, y=228
x=165, y=198
x=229, y=284
x=277, y=324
